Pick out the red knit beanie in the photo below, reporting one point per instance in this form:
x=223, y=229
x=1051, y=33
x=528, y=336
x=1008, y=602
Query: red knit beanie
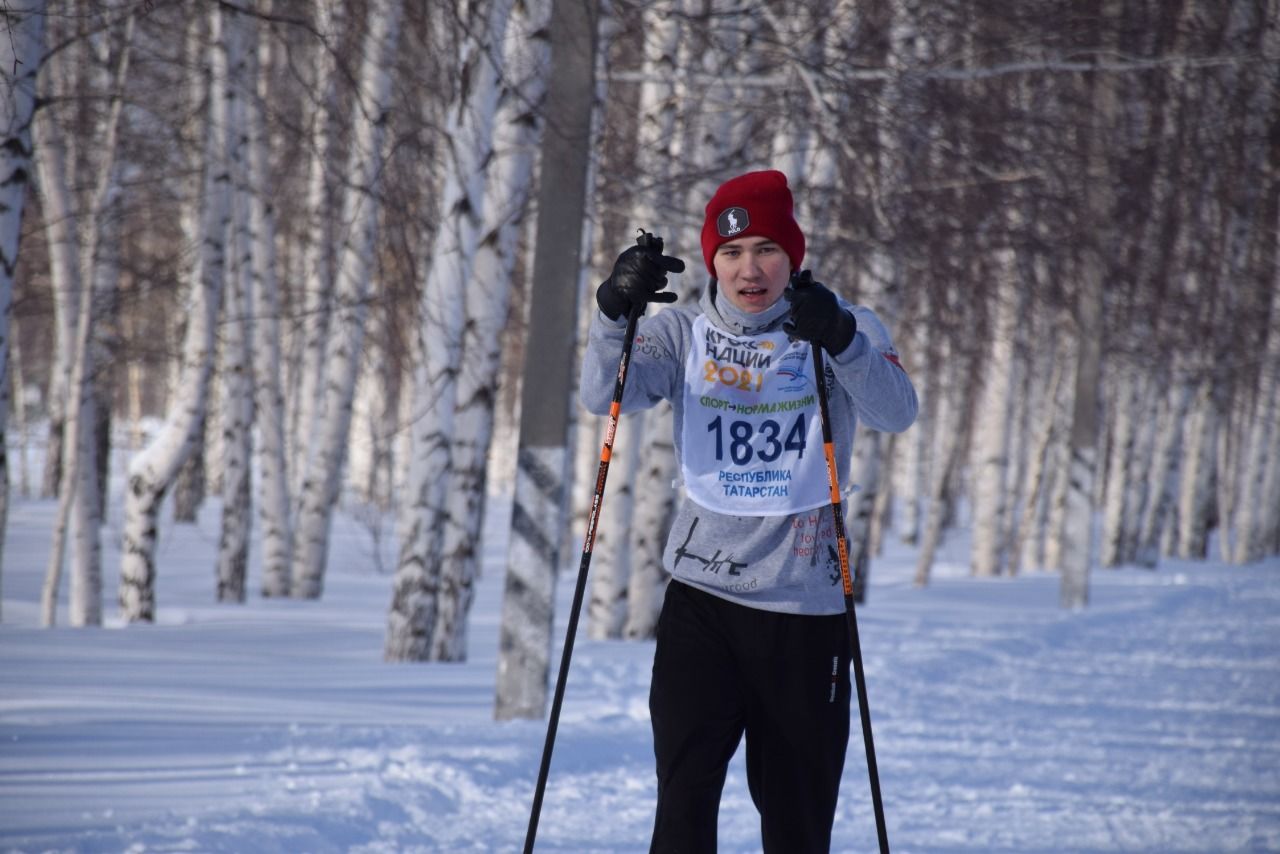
x=755, y=204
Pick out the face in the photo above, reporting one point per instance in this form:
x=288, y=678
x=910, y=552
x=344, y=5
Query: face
x=752, y=271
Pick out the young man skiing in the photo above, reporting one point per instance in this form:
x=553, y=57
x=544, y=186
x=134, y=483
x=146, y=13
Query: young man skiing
x=752, y=638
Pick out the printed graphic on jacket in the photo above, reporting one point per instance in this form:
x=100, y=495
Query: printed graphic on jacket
x=752, y=435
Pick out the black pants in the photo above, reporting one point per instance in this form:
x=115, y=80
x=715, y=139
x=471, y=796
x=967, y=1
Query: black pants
x=721, y=670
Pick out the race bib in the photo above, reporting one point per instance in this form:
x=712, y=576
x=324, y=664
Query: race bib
x=752, y=433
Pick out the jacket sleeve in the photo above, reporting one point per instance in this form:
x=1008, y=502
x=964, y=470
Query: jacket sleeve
x=870, y=373
x=655, y=369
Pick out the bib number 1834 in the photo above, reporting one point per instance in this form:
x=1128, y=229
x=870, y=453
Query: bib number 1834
x=746, y=442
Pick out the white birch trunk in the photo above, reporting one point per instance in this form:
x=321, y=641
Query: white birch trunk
x=236, y=363
x=1260, y=492
x=461, y=207
x=323, y=476
x=269, y=406
x=991, y=434
x=428, y=609
x=950, y=428
x=152, y=471
x=487, y=296
x=366, y=447
x=652, y=514
x=59, y=210
x=21, y=55
x=79, y=506
x=611, y=559
x=1196, y=490
x=1077, y=537
x=911, y=461
x=1117, y=508
x=1099, y=204
x=639, y=498
x=1163, y=474
x=539, y=507
x=317, y=263
x=1028, y=546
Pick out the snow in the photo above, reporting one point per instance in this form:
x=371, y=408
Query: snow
x=1148, y=721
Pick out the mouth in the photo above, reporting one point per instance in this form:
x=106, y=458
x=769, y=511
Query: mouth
x=750, y=293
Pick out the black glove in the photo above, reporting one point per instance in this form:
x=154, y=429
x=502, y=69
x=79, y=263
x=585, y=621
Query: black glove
x=816, y=315
x=638, y=277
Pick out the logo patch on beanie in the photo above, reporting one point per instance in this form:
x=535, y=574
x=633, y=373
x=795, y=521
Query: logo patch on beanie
x=732, y=221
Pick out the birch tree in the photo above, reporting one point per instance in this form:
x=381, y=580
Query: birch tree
x=324, y=466
x=268, y=402
x=428, y=610
x=1259, y=500
x=21, y=55
x=487, y=296
x=152, y=471
x=631, y=525
x=1074, y=589
x=236, y=355
x=543, y=458
x=79, y=506
x=317, y=251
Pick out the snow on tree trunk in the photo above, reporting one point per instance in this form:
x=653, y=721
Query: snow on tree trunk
x=428, y=609
x=527, y=605
x=542, y=461
x=21, y=55
x=236, y=357
x=991, y=434
x=323, y=478
x=152, y=472
x=268, y=403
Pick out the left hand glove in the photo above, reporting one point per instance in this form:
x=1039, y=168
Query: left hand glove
x=816, y=315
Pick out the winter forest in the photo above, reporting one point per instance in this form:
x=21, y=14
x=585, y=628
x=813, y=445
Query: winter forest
x=304, y=255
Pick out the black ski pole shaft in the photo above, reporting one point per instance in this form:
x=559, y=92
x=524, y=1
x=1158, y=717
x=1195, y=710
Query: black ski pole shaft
x=842, y=550
x=597, y=501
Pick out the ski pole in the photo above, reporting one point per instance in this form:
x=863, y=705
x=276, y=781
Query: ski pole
x=801, y=280
x=652, y=243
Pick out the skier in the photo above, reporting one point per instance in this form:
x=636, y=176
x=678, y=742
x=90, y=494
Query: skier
x=752, y=638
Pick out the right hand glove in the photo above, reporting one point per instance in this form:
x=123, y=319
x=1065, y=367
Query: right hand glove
x=816, y=315
x=638, y=277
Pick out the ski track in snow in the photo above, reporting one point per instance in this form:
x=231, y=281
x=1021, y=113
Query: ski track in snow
x=1149, y=721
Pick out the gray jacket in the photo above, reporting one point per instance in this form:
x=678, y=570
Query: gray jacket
x=775, y=563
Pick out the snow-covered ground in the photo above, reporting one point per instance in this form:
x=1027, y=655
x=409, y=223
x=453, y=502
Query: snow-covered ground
x=1148, y=722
